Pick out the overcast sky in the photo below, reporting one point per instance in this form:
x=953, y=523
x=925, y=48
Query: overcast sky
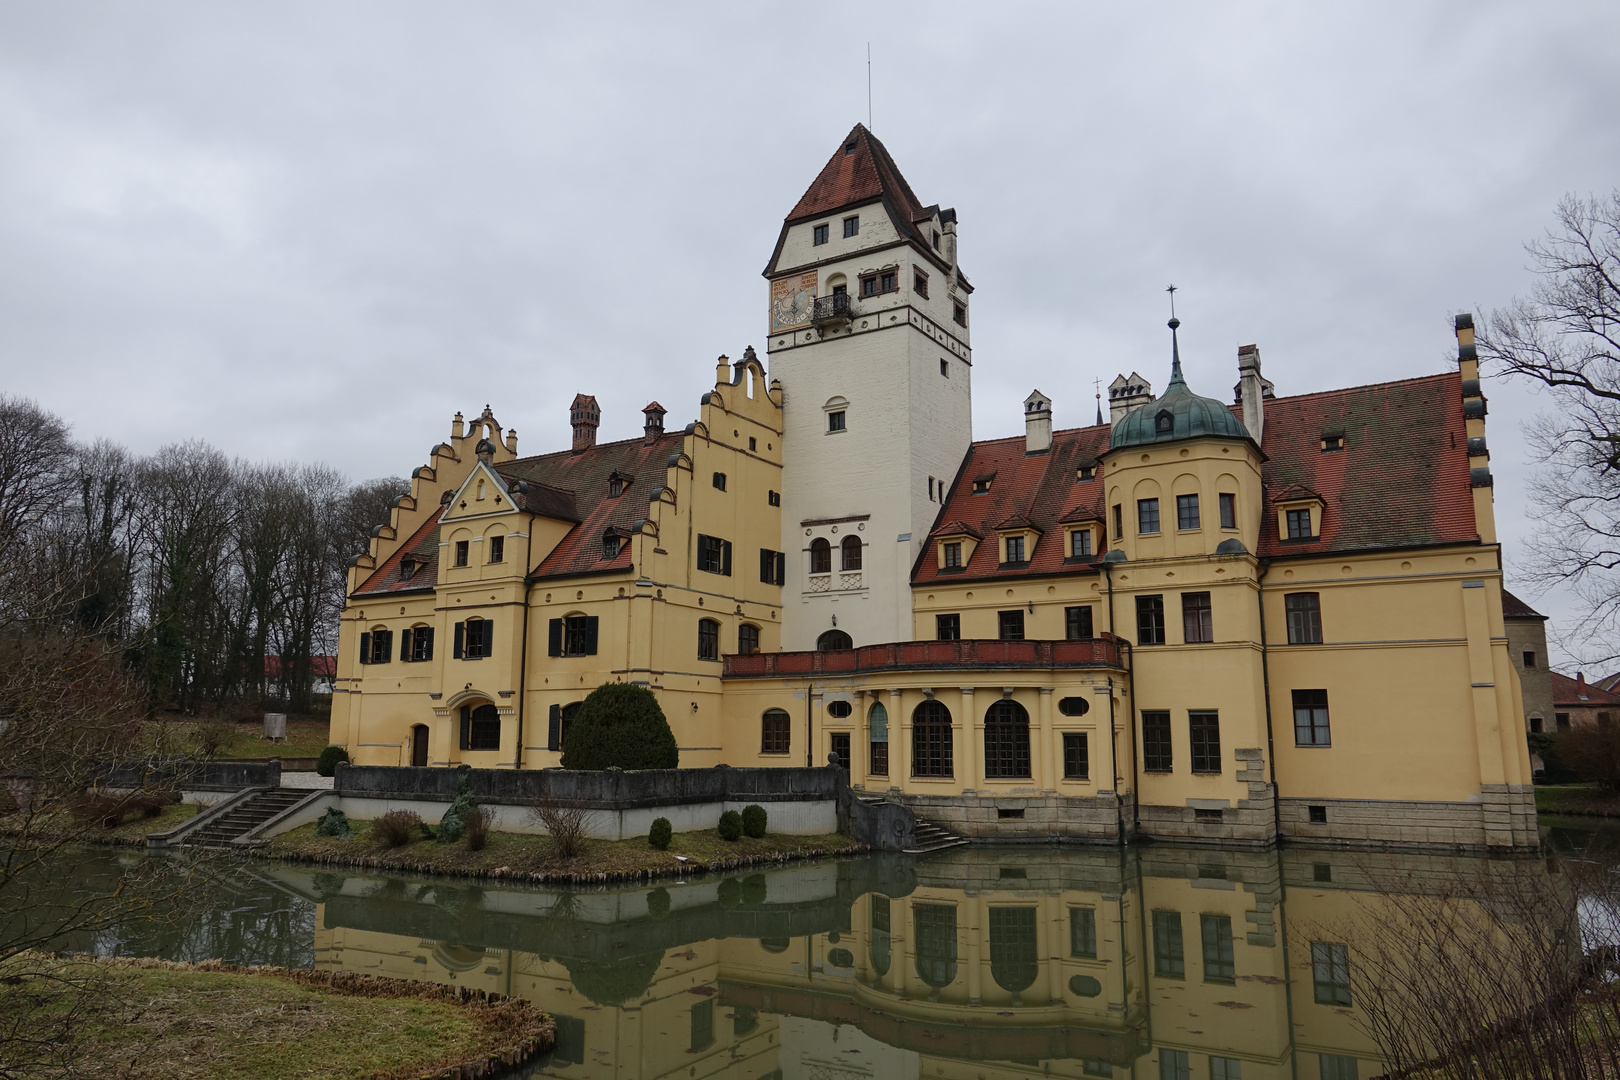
x=315, y=231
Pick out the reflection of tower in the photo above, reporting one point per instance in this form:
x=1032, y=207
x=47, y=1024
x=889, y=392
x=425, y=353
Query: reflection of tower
x=869, y=339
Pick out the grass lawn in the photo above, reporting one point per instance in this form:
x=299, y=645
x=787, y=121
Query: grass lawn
x=179, y=1022
x=521, y=854
x=131, y=833
x=306, y=738
x=1577, y=799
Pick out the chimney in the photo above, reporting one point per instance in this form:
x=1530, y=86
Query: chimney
x=1126, y=395
x=722, y=371
x=654, y=426
x=585, y=415
x=1251, y=390
x=1580, y=677
x=456, y=427
x=1037, y=423
x=511, y=440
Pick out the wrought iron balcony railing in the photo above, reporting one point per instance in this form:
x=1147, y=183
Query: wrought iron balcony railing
x=839, y=307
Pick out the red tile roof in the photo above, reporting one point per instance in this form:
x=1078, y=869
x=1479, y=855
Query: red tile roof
x=423, y=546
x=1514, y=608
x=1568, y=691
x=853, y=177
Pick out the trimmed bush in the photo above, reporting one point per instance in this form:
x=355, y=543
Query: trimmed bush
x=328, y=763
x=478, y=823
x=731, y=825
x=334, y=823
x=753, y=821
x=660, y=834
x=620, y=726
x=454, y=823
x=397, y=827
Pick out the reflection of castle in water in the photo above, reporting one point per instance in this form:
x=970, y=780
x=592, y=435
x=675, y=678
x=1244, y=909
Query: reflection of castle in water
x=978, y=964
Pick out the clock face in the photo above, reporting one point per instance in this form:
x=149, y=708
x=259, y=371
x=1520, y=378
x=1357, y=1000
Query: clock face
x=791, y=301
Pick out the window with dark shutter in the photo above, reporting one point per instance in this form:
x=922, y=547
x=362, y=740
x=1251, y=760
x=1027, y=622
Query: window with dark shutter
x=720, y=481
x=460, y=649
x=421, y=643
x=405, y=645
x=554, y=729
x=365, y=646
x=554, y=637
x=579, y=635
x=382, y=646
x=479, y=638
x=714, y=555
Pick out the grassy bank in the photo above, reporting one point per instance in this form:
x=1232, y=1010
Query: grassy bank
x=532, y=858
x=306, y=738
x=1588, y=799
x=147, y=1018
x=131, y=833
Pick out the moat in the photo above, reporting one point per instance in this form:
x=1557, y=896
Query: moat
x=977, y=963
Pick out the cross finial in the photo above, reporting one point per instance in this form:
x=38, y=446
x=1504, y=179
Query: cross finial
x=1172, y=291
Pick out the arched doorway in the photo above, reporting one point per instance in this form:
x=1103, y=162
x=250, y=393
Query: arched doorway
x=419, y=746
x=834, y=641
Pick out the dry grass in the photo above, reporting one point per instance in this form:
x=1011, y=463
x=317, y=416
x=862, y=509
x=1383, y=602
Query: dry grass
x=132, y=832
x=306, y=738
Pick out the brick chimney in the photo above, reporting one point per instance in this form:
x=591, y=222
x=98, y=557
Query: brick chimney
x=585, y=415
x=654, y=426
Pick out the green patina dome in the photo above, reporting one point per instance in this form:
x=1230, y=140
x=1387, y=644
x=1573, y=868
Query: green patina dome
x=1178, y=414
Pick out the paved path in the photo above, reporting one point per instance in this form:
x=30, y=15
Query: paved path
x=313, y=781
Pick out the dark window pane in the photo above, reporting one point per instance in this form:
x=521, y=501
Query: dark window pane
x=1080, y=543
x=1077, y=623
x=851, y=548
x=820, y=556
x=1217, y=935
x=1299, y=524
x=1076, y=759
x=1156, y=741
x=1147, y=515
x=1197, y=621
x=1228, y=511
x=1083, y=931
x=1304, y=618
x=1205, y=741
x=775, y=732
x=1330, y=973
x=820, y=235
x=1006, y=740
x=948, y=627
x=852, y=225
x=1014, y=963
x=708, y=639
x=485, y=730
x=1187, y=511
x=934, y=928
x=1011, y=625
x=1311, y=718
x=931, y=740
x=747, y=639
x=953, y=554
x=1168, y=958
x=1015, y=549
x=1150, y=620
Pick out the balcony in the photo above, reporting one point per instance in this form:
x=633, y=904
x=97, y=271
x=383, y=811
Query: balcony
x=832, y=311
x=903, y=656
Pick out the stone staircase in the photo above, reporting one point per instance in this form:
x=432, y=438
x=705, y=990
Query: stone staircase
x=929, y=836
x=252, y=812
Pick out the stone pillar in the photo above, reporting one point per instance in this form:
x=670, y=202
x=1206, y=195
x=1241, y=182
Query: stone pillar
x=967, y=749
x=899, y=741
x=816, y=752
x=1055, y=945
x=1044, y=765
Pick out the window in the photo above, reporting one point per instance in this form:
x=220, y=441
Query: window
x=1216, y=931
x=1076, y=758
x=1014, y=961
x=1164, y=424
x=610, y=546
x=1321, y=871
x=479, y=638
x=714, y=555
x=1168, y=959
x=1147, y=515
x=835, y=420
x=930, y=489
x=1213, y=817
x=480, y=728
x=775, y=732
x=1311, y=718
x=461, y=552
x=1077, y=623
x=839, y=710
x=931, y=740
x=1304, y=618
x=1204, y=729
x=1083, y=931
x=981, y=486
x=1535, y=724
x=1330, y=973
x=1330, y=443
x=878, y=739
x=852, y=225
x=408, y=568
x=919, y=283
x=1080, y=543
x=1015, y=549
x=377, y=647
x=1150, y=620
x=719, y=481
x=1529, y=660
x=615, y=486
x=819, y=235
x=1174, y=1065
x=834, y=641
x=569, y=1044
x=1119, y=521
x=708, y=639
x=421, y=642
x=773, y=498
x=558, y=723
x=959, y=314
x=948, y=627
x=869, y=285
x=936, y=239
x=1337, y=1067
x=1085, y=474
x=1006, y=740
x=497, y=548
x=1187, y=511
x=1561, y=721
x=772, y=567
x=747, y=639
x=1225, y=1068
x=1156, y=740
x=1316, y=815
x=953, y=555
x=1011, y=625
x=889, y=280
x=933, y=928
x=1228, y=511
x=851, y=553
x=820, y=556
x=703, y=1025
x=1093, y=1067
x=573, y=635
x=1197, y=622
x=1299, y=524
x=944, y=367
x=1073, y=706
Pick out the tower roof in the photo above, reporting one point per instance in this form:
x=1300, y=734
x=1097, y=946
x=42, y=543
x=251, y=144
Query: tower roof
x=1178, y=414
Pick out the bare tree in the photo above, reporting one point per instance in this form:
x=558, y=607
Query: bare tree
x=1566, y=336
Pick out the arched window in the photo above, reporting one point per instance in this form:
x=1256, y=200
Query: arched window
x=480, y=727
x=934, y=928
x=878, y=738
x=820, y=556
x=1164, y=424
x=931, y=740
x=1013, y=963
x=708, y=639
x=1006, y=740
x=852, y=553
x=833, y=641
x=775, y=732
x=747, y=639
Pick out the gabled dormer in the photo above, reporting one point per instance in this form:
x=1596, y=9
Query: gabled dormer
x=954, y=544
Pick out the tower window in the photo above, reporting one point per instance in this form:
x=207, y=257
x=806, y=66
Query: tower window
x=1529, y=660
x=869, y=285
x=944, y=367
x=936, y=239
x=919, y=283
x=889, y=280
x=1228, y=511
x=1147, y=515
x=461, y=552
x=835, y=420
x=1119, y=522
x=773, y=498
x=720, y=481
x=852, y=225
x=497, y=549
x=820, y=235
x=960, y=314
x=1164, y=424
x=1150, y=620
x=1197, y=624
x=1187, y=511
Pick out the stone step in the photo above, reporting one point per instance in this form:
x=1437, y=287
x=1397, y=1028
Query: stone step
x=249, y=815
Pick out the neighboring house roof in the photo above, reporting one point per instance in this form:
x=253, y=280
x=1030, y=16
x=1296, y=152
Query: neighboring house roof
x=423, y=547
x=1577, y=694
x=1514, y=608
x=1608, y=682
x=322, y=667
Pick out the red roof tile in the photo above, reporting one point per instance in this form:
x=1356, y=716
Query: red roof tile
x=860, y=175
x=423, y=546
x=1568, y=691
x=1514, y=608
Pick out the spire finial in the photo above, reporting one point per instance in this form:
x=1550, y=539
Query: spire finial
x=1175, y=343
x=1096, y=383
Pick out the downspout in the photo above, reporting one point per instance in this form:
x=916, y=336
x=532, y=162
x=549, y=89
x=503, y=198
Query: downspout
x=809, y=723
x=1130, y=688
x=1265, y=678
x=523, y=670
x=1113, y=730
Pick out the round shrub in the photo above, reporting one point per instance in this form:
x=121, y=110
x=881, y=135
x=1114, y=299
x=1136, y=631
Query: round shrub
x=333, y=823
x=729, y=893
x=753, y=890
x=620, y=726
x=730, y=825
x=753, y=819
x=658, y=903
x=397, y=827
x=454, y=822
x=660, y=834
x=328, y=762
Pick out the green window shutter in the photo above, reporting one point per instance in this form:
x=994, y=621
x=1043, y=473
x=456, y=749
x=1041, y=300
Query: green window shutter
x=424, y=635
x=554, y=637
x=590, y=635
x=781, y=568
x=365, y=647
x=554, y=729
x=405, y=645
x=489, y=638
x=466, y=724
x=725, y=557
x=461, y=640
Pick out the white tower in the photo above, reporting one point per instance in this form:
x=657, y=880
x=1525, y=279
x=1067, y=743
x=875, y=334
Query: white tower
x=869, y=339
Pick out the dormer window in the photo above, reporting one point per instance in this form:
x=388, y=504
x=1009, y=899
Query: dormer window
x=1164, y=424
x=953, y=555
x=849, y=148
x=981, y=486
x=1332, y=443
x=1015, y=549
x=616, y=485
x=408, y=569
x=936, y=239
x=1299, y=524
x=1087, y=474
x=610, y=546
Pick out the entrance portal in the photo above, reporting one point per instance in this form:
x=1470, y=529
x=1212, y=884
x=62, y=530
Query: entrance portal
x=419, y=745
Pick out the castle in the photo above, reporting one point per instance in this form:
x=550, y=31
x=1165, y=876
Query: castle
x=1200, y=621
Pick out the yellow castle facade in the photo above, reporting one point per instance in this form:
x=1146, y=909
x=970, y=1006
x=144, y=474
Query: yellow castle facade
x=1203, y=621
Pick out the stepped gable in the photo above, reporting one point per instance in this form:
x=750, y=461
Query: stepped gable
x=1036, y=491
x=423, y=546
x=582, y=476
x=1401, y=480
